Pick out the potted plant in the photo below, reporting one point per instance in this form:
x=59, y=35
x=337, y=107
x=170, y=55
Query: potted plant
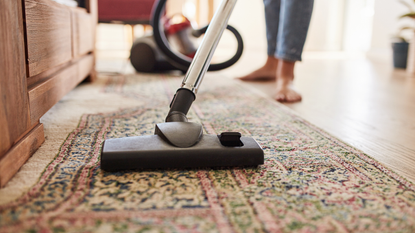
x=400, y=48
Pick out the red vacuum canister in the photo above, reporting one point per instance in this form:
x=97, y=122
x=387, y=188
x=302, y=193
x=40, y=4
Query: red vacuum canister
x=178, y=30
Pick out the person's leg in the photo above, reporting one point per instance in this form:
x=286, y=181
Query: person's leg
x=268, y=70
x=294, y=22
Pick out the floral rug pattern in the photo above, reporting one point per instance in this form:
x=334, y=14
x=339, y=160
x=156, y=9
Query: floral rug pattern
x=310, y=182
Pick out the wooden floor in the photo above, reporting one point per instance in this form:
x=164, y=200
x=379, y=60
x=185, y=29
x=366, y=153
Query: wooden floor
x=363, y=102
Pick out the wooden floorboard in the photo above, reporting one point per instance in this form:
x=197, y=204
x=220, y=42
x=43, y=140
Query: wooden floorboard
x=364, y=103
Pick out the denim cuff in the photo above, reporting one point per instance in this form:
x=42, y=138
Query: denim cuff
x=287, y=57
x=284, y=56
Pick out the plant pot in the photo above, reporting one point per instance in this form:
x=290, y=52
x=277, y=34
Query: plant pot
x=400, y=54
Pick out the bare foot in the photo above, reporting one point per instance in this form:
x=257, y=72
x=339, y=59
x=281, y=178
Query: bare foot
x=265, y=73
x=286, y=91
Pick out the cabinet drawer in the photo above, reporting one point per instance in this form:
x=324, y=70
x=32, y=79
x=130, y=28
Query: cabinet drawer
x=49, y=35
x=45, y=95
x=83, y=32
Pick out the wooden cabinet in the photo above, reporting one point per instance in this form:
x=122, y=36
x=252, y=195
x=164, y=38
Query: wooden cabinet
x=46, y=49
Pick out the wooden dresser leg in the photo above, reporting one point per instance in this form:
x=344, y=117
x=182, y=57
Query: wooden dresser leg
x=11, y=162
x=92, y=77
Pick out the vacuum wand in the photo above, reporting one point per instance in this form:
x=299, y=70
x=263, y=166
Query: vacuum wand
x=203, y=56
x=185, y=96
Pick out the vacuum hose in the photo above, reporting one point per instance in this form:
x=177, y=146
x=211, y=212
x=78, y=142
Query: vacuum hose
x=180, y=61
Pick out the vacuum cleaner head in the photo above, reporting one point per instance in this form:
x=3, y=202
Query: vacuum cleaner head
x=180, y=145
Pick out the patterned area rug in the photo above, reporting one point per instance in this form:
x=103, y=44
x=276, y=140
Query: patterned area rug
x=310, y=182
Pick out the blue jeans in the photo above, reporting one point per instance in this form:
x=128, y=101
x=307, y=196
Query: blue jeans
x=287, y=24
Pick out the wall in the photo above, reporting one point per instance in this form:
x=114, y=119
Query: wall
x=248, y=18
x=357, y=30
x=385, y=25
x=326, y=26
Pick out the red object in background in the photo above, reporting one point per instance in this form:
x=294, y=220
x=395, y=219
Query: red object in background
x=173, y=28
x=126, y=11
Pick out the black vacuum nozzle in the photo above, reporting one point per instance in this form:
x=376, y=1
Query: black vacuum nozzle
x=152, y=152
x=180, y=144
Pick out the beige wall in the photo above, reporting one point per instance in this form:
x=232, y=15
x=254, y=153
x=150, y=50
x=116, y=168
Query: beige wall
x=385, y=25
x=248, y=18
x=326, y=26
